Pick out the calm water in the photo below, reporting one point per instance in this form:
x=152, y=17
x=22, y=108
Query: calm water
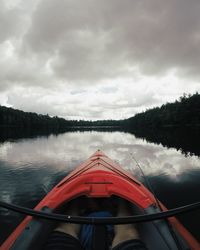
x=29, y=168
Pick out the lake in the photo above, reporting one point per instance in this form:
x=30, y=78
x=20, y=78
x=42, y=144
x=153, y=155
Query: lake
x=30, y=167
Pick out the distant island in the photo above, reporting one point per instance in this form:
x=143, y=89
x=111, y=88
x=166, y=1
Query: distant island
x=184, y=112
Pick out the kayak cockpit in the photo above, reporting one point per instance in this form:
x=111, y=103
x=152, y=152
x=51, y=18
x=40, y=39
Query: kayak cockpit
x=155, y=234
x=101, y=181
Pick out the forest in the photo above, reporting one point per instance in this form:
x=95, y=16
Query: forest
x=13, y=118
x=184, y=112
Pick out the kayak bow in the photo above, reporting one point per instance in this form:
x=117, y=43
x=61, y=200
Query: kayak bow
x=101, y=178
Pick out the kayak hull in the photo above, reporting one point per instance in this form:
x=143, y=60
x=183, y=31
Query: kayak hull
x=100, y=177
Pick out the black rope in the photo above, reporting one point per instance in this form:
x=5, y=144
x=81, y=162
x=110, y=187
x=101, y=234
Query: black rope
x=101, y=221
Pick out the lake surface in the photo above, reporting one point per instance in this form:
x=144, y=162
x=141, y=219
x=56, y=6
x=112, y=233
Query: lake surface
x=30, y=167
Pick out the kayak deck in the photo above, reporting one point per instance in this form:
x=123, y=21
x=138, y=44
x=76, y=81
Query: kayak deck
x=99, y=178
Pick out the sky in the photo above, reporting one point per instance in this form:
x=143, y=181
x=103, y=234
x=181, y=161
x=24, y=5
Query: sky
x=91, y=59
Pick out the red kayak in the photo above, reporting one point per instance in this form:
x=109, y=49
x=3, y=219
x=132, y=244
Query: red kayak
x=101, y=178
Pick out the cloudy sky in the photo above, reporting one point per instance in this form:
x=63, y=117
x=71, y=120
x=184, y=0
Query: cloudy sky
x=95, y=59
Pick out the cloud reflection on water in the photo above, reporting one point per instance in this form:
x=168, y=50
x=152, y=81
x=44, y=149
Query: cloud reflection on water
x=29, y=168
x=65, y=151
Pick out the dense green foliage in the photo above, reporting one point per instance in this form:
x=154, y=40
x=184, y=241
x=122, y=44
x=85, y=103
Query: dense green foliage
x=15, y=118
x=10, y=117
x=183, y=113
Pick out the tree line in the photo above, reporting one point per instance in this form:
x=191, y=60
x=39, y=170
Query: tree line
x=10, y=117
x=184, y=112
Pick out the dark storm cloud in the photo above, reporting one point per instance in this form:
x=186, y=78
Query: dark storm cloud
x=101, y=39
x=96, y=57
x=95, y=40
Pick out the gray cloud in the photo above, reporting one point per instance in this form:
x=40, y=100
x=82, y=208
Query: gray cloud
x=136, y=54
x=99, y=39
x=10, y=21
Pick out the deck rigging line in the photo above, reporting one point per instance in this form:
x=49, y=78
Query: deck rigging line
x=101, y=221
